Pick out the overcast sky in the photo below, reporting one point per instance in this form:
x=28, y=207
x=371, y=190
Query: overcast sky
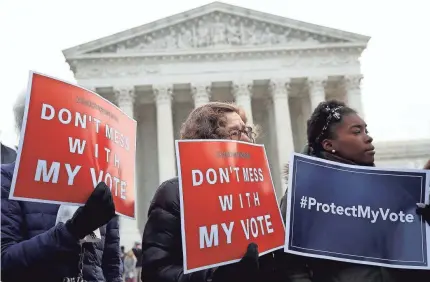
x=395, y=65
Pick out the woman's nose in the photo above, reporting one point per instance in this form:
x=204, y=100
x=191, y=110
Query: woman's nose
x=244, y=138
x=369, y=139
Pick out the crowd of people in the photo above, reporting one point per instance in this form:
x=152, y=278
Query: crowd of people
x=132, y=263
x=35, y=247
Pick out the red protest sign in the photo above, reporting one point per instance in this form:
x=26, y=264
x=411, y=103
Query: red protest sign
x=71, y=140
x=227, y=201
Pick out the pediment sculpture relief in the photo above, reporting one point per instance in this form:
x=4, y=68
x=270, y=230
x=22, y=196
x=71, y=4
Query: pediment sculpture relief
x=216, y=30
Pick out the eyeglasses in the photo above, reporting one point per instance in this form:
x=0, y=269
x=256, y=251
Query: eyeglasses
x=235, y=134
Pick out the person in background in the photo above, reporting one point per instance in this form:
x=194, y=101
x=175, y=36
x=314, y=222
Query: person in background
x=130, y=267
x=337, y=133
x=7, y=155
x=36, y=248
x=122, y=253
x=137, y=251
x=162, y=258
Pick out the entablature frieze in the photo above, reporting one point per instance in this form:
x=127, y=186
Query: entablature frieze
x=226, y=52
x=118, y=67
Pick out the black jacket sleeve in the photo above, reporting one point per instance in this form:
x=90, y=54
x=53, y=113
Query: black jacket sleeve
x=162, y=244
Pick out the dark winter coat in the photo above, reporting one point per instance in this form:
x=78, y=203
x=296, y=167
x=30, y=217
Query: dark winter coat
x=162, y=259
x=7, y=155
x=33, y=248
x=138, y=254
x=304, y=269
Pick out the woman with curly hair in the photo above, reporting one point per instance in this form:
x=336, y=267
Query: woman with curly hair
x=162, y=258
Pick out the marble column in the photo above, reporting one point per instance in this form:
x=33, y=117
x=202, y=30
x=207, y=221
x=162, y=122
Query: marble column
x=353, y=93
x=242, y=92
x=129, y=232
x=125, y=99
x=165, y=141
x=272, y=147
x=201, y=94
x=302, y=120
x=316, y=91
x=284, y=133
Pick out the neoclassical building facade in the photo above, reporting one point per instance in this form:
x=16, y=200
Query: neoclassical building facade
x=277, y=69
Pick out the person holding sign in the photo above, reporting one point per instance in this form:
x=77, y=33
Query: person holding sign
x=336, y=133
x=162, y=256
x=34, y=247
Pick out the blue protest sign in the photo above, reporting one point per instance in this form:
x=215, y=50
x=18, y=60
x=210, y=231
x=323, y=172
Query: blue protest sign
x=357, y=214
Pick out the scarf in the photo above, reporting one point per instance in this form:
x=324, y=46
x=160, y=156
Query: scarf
x=330, y=157
x=322, y=155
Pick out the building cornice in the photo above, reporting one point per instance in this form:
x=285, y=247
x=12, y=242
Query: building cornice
x=244, y=52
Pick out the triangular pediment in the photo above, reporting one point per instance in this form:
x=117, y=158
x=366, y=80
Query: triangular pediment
x=215, y=26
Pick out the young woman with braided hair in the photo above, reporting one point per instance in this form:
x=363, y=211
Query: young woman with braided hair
x=337, y=133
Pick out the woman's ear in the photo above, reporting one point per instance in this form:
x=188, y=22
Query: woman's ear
x=327, y=145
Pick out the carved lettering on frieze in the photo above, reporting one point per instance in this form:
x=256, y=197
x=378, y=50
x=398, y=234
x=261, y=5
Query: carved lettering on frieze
x=108, y=70
x=291, y=60
x=304, y=60
x=217, y=30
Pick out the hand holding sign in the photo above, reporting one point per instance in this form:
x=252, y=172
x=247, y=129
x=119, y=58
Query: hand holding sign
x=98, y=211
x=247, y=269
x=424, y=211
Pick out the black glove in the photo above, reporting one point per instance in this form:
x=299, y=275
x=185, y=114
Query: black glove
x=98, y=211
x=424, y=211
x=246, y=270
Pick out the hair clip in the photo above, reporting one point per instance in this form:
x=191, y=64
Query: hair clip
x=336, y=115
x=332, y=113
